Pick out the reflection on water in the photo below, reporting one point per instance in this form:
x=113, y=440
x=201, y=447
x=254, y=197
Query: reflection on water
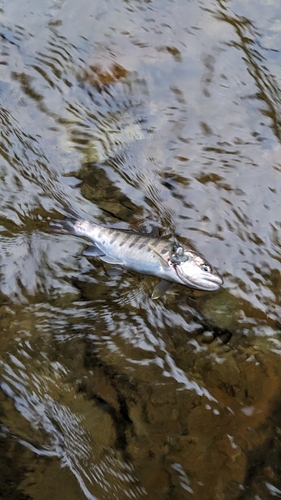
x=139, y=115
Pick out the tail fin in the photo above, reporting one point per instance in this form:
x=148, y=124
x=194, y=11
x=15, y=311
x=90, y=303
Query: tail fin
x=63, y=226
x=80, y=227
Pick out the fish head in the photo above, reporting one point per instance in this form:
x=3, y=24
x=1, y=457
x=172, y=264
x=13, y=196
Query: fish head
x=195, y=272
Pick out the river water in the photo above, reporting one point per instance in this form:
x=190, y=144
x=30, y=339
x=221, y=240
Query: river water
x=140, y=114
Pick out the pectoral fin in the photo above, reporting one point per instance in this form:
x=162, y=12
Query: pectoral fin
x=93, y=251
x=160, y=289
x=162, y=261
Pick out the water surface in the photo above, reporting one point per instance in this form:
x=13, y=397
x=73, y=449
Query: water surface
x=139, y=115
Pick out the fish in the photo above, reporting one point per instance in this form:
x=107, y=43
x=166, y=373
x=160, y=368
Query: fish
x=169, y=260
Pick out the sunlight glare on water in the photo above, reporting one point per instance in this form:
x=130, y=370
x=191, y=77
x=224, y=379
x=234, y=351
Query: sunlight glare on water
x=144, y=116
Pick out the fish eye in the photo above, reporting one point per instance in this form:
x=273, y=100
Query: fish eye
x=206, y=268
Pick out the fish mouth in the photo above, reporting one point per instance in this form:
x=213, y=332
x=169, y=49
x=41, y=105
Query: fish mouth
x=210, y=283
x=207, y=283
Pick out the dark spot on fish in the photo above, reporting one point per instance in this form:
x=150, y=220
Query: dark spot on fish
x=136, y=238
x=115, y=236
x=99, y=234
x=141, y=246
x=148, y=249
x=126, y=236
x=122, y=243
x=164, y=250
x=150, y=242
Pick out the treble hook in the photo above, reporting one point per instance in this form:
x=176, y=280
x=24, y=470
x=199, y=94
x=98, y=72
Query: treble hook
x=177, y=253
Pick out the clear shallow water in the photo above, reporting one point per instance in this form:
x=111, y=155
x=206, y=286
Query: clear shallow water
x=139, y=115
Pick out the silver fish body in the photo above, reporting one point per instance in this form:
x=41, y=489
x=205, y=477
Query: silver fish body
x=143, y=253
